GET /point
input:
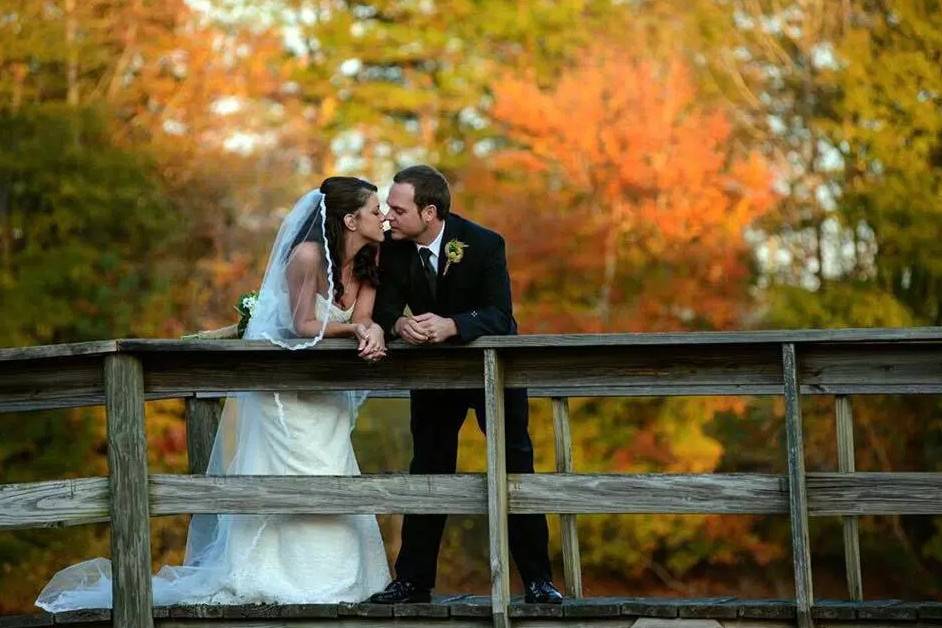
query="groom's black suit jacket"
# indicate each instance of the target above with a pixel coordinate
(474, 292)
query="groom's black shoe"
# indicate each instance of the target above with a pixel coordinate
(542, 592)
(399, 592)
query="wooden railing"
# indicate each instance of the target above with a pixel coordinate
(121, 374)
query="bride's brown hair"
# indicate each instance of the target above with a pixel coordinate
(342, 196)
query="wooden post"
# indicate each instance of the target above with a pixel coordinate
(497, 488)
(130, 517)
(202, 419)
(845, 464)
(571, 559)
(797, 492)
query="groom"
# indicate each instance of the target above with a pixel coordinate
(452, 273)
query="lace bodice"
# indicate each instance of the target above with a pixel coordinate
(337, 315)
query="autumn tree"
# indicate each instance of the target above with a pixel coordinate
(657, 195)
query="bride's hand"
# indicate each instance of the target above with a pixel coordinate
(372, 345)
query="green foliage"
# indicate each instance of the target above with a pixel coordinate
(890, 131)
(849, 304)
(84, 225)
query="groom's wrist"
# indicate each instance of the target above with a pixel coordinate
(397, 326)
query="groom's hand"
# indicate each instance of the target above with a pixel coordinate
(409, 330)
(436, 328)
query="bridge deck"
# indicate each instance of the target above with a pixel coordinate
(468, 610)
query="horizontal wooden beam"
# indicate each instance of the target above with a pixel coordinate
(463, 610)
(281, 370)
(722, 493)
(51, 382)
(379, 494)
(640, 339)
(54, 503)
(85, 500)
(874, 493)
(41, 352)
(618, 370)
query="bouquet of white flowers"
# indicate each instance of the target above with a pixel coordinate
(246, 307)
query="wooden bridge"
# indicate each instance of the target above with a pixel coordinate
(122, 374)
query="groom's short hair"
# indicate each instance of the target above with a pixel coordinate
(430, 185)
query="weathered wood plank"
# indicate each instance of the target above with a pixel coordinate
(471, 610)
(71, 502)
(604, 366)
(871, 363)
(595, 607)
(767, 609)
(369, 494)
(282, 370)
(497, 501)
(709, 608)
(718, 369)
(775, 337)
(198, 611)
(797, 495)
(130, 517)
(184, 368)
(54, 503)
(875, 493)
(650, 607)
(364, 609)
(51, 380)
(428, 622)
(681, 389)
(26, 621)
(95, 347)
(678, 390)
(420, 610)
(22, 403)
(671, 390)
(648, 493)
(202, 418)
(572, 562)
(85, 617)
(50, 402)
(843, 414)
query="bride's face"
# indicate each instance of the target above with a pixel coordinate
(369, 220)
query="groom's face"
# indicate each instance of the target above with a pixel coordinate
(407, 221)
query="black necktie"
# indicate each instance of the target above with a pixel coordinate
(431, 273)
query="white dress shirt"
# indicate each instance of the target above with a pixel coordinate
(435, 246)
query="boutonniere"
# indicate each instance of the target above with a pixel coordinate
(454, 253)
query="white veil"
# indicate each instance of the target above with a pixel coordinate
(212, 552)
(273, 317)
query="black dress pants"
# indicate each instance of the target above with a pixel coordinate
(437, 416)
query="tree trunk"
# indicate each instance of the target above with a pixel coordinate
(127, 53)
(610, 257)
(71, 46)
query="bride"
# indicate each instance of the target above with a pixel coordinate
(320, 282)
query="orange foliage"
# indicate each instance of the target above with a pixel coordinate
(649, 190)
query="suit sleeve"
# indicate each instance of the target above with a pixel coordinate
(390, 294)
(494, 316)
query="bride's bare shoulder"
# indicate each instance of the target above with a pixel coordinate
(307, 254)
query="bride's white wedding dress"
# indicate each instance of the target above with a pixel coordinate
(288, 559)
